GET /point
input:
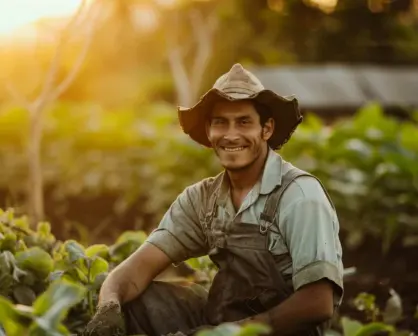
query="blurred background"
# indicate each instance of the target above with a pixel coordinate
(89, 137)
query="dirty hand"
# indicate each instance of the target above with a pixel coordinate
(108, 321)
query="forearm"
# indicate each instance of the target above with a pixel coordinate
(119, 286)
(299, 312)
(130, 278)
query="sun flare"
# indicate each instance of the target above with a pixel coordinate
(15, 14)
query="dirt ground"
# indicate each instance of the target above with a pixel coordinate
(377, 274)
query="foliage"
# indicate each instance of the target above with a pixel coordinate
(50, 287)
(368, 165)
(52, 276)
(231, 329)
(123, 171)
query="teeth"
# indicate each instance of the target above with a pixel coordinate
(233, 149)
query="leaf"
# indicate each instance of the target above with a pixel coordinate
(123, 250)
(7, 261)
(100, 250)
(8, 243)
(35, 260)
(254, 329)
(136, 236)
(24, 295)
(98, 281)
(53, 305)
(98, 266)
(225, 329)
(55, 275)
(14, 320)
(372, 328)
(6, 284)
(18, 275)
(393, 310)
(74, 250)
(350, 327)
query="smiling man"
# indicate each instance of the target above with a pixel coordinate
(270, 228)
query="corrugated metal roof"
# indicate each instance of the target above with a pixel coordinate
(340, 86)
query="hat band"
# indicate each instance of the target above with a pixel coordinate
(234, 89)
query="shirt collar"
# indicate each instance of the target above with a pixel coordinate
(272, 173)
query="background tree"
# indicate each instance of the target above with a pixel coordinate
(49, 92)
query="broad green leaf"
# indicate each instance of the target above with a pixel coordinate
(97, 266)
(6, 283)
(137, 236)
(35, 260)
(74, 250)
(254, 329)
(350, 327)
(44, 228)
(13, 319)
(53, 305)
(7, 261)
(55, 275)
(225, 329)
(8, 243)
(123, 250)
(24, 295)
(80, 274)
(18, 274)
(372, 328)
(100, 250)
(98, 280)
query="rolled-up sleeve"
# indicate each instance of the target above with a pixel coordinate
(311, 229)
(179, 234)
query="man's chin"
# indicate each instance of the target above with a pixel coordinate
(234, 166)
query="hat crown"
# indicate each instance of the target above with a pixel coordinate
(238, 80)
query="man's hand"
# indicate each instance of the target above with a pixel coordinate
(108, 321)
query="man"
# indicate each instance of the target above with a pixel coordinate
(269, 227)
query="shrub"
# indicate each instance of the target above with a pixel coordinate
(50, 287)
(126, 168)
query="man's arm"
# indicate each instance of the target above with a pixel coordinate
(131, 277)
(309, 227)
(178, 237)
(307, 307)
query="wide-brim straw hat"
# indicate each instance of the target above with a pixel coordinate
(241, 84)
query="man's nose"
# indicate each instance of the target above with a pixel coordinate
(231, 134)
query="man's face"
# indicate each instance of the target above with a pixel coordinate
(236, 134)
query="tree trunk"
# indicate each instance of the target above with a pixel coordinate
(35, 182)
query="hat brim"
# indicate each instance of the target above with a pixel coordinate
(285, 112)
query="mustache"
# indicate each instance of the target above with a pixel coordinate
(224, 143)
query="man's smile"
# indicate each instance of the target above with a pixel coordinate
(233, 149)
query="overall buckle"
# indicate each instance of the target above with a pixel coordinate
(265, 223)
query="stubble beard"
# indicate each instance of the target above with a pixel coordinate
(241, 168)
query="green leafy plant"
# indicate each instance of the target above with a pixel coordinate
(33, 263)
(367, 163)
(50, 287)
(47, 314)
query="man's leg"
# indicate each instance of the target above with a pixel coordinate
(166, 308)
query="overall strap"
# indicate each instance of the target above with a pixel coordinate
(273, 199)
(210, 206)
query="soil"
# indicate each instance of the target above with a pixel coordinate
(108, 321)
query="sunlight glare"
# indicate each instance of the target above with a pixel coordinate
(327, 6)
(15, 14)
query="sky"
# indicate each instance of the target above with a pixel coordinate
(15, 14)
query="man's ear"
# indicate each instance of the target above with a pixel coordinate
(268, 129)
